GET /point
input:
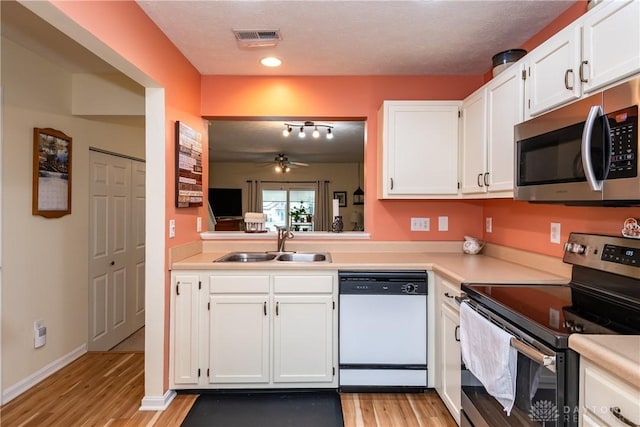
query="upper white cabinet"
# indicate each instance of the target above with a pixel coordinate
(488, 118)
(595, 51)
(418, 143)
(610, 43)
(552, 69)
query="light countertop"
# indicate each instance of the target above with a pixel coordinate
(618, 354)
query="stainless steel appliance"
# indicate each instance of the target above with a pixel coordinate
(383, 329)
(603, 297)
(583, 153)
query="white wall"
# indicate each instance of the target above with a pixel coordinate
(343, 177)
(44, 272)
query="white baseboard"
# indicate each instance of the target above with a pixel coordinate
(17, 389)
(157, 403)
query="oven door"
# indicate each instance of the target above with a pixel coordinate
(546, 387)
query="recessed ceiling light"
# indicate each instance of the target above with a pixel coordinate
(271, 61)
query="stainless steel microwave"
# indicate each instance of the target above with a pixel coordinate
(585, 153)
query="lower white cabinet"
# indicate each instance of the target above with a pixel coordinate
(448, 359)
(254, 330)
(606, 399)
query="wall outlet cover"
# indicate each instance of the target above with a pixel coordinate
(420, 224)
(488, 224)
(443, 223)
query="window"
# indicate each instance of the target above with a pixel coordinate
(291, 205)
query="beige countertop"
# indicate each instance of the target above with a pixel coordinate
(457, 266)
(618, 354)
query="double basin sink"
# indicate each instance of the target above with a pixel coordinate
(275, 257)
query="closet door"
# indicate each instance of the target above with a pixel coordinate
(116, 272)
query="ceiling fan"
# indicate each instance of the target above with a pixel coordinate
(284, 165)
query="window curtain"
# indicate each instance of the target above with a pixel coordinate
(254, 196)
(323, 218)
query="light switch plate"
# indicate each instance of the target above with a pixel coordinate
(555, 232)
(443, 223)
(199, 225)
(172, 228)
(488, 224)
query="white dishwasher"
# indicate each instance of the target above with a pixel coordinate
(383, 330)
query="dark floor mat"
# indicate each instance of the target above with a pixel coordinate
(267, 409)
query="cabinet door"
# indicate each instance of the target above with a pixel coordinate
(505, 109)
(611, 43)
(239, 338)
(419, 149)
(451, 360)
(552, 72)
(185, 329)
(474, 143)
(303, 338)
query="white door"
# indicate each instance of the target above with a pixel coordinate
(239, 339)
(114, 267)
(137, 260)
(303, 338)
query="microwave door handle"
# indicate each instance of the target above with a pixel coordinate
(594, 113)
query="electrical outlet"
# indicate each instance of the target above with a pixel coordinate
(199, 225)
(555, 232)
(39, 334)
(419, 224)
(172, 228)
(488, 224)
(443, 223)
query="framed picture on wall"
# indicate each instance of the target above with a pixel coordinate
(188, 167)
(51, 196)
(342, 198)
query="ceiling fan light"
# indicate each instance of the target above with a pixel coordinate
(316, 133)
(329, 134)
(302, 134)
(286, 169)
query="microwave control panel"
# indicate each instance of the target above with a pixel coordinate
(623, 125)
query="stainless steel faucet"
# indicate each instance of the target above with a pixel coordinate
(283, 235)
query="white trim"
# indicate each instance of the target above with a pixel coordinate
(17, 389)
(159, 403)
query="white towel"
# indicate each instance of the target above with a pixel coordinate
(487, 353)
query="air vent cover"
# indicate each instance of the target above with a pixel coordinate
(257, 38)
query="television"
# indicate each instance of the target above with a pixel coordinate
(226, 202)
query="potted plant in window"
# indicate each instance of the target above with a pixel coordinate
(299, 213)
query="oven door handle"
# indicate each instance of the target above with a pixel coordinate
(534, 354)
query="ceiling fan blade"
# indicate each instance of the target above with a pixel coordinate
(299, 163)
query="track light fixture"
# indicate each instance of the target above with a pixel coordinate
(301, 134)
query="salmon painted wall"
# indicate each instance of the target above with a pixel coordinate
(334, 97)
(126, 29)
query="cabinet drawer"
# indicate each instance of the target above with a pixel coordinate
(603, 392)
(302, 284)
(238, 284)
(449, 290)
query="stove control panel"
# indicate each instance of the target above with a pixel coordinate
(615, 254)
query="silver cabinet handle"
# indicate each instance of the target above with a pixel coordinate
(277, 310)
(265, 308)
(587, 166)
(486, 179)
(617, 412)
(391, 183)
(178, 288)
(478, 180)
(566, 79)
(582, 78)
(456, 333)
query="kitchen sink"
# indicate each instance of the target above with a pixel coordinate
(303, 257)
(275, 257)
(247, 257)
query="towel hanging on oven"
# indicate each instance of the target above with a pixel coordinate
(488, 354)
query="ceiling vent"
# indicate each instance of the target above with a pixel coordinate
(257, 38)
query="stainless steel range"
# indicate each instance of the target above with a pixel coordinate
(603, 297)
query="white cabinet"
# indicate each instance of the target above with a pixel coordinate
(610, 43)
(418, 144)
(488, 118)
(238, 328)
(448, 358)
(254, 330)
(552, 69)
(605, 399)
(599, 49)
(185, 329)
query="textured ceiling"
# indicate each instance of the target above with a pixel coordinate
(331, 37)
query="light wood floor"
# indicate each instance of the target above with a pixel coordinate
(105, 389)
